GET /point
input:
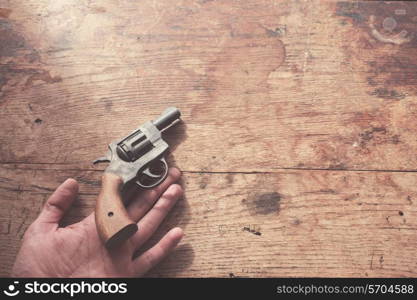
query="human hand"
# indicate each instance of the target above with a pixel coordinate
(77, 251)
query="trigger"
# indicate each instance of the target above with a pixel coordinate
(152, 178)
(101, 160)
(150, 174)
(106, 158)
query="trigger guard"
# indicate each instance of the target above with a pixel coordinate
(148, 173)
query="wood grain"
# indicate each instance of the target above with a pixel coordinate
(273, 84)
(286, 223)
(298, 144)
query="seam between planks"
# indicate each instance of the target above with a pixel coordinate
(276, 170)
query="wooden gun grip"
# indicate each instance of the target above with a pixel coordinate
(113, 223)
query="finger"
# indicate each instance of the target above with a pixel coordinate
(59, 202)
(151, 221)
(153, 256)
(139, 206)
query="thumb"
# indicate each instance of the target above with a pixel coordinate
(59, 202)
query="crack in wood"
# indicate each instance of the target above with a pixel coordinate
(276, 170)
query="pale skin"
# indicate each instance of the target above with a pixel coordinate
(49, 250)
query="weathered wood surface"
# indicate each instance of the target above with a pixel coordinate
(299, 141)
(286, 223)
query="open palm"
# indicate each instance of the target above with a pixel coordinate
(77, 251)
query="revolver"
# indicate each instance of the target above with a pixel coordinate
(138, 159)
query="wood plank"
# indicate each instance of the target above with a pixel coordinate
(286, 223)
(262, 84)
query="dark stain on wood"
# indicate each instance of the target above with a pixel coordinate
(264, 204)
(230, 178)
(41, 75)
(377, 135)
(351, 197)
(368, 135)
(248, 229)
(20, 62)
(410, 201)
(348, 9)
(108, 104)
(381, 43)
(373, 131)
(384, 93)
(277, 32)
(11, 41)
(204, 182)
(5, 12)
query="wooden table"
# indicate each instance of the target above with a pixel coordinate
(298, 146)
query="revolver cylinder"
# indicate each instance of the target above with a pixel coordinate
(137, 144)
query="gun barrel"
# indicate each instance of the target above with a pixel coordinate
(168, 117)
